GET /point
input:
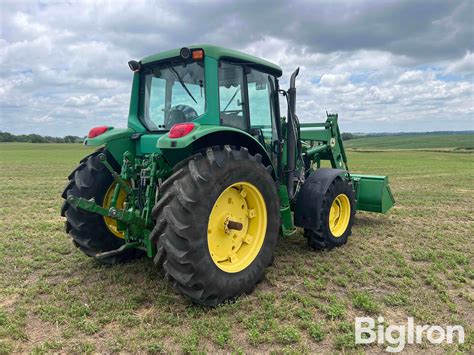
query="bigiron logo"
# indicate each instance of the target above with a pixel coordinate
(397, 336)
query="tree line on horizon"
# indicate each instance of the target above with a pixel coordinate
(37, 138)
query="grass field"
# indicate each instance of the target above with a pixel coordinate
(415, 261)
(429, 141)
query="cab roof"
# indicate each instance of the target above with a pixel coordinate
(218, 53)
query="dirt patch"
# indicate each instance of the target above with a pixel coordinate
(39, 331)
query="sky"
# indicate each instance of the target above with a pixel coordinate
(384, 66)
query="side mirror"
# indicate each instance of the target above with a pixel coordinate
(134, 65)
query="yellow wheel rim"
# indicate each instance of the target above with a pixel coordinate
(339, 215)
(110, 222)
(237, 227)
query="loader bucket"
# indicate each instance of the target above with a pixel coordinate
(373, 193)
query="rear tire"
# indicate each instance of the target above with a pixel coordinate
(183, 231)
(324, 238)
(88, 230)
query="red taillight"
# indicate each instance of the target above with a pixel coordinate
(180, 130)
(97, 131)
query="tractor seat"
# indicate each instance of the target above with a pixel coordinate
(233, 120)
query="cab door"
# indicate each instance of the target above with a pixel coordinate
(260, 89)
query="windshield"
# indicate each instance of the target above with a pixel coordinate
(171, 93)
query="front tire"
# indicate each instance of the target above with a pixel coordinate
(336, 217)
(204, 255)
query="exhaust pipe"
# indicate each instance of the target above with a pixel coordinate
(291, 135)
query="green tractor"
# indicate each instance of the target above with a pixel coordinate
(208, 175)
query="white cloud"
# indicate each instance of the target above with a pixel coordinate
(84, 100)
(337, 80)
(28, 26)
(465, 65)
(114, 101)
(415, 76)
(42, 119)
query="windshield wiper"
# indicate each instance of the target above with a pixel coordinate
(182, 82)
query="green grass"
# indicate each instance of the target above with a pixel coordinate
(429, 141)
(415, 261)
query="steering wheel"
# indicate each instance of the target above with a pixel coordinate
(180, 114)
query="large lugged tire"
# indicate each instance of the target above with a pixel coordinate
(88, 230)
(336, 227)
(204, 255)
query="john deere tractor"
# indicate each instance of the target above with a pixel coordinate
(208, 175)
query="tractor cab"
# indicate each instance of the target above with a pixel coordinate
(204, 84)
(195, 88)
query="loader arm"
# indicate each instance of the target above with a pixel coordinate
(323, 141)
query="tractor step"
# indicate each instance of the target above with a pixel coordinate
(373, 193)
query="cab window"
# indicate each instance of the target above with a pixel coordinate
(231, 96)
(171, 93)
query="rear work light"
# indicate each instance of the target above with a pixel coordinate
(97, 131)
(180, 130)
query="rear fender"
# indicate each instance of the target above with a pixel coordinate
(203, 136)
(116, 141)
(310, 197)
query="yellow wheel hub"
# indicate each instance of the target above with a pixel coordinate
(237, 227)
(339, 215)
(110, 222)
